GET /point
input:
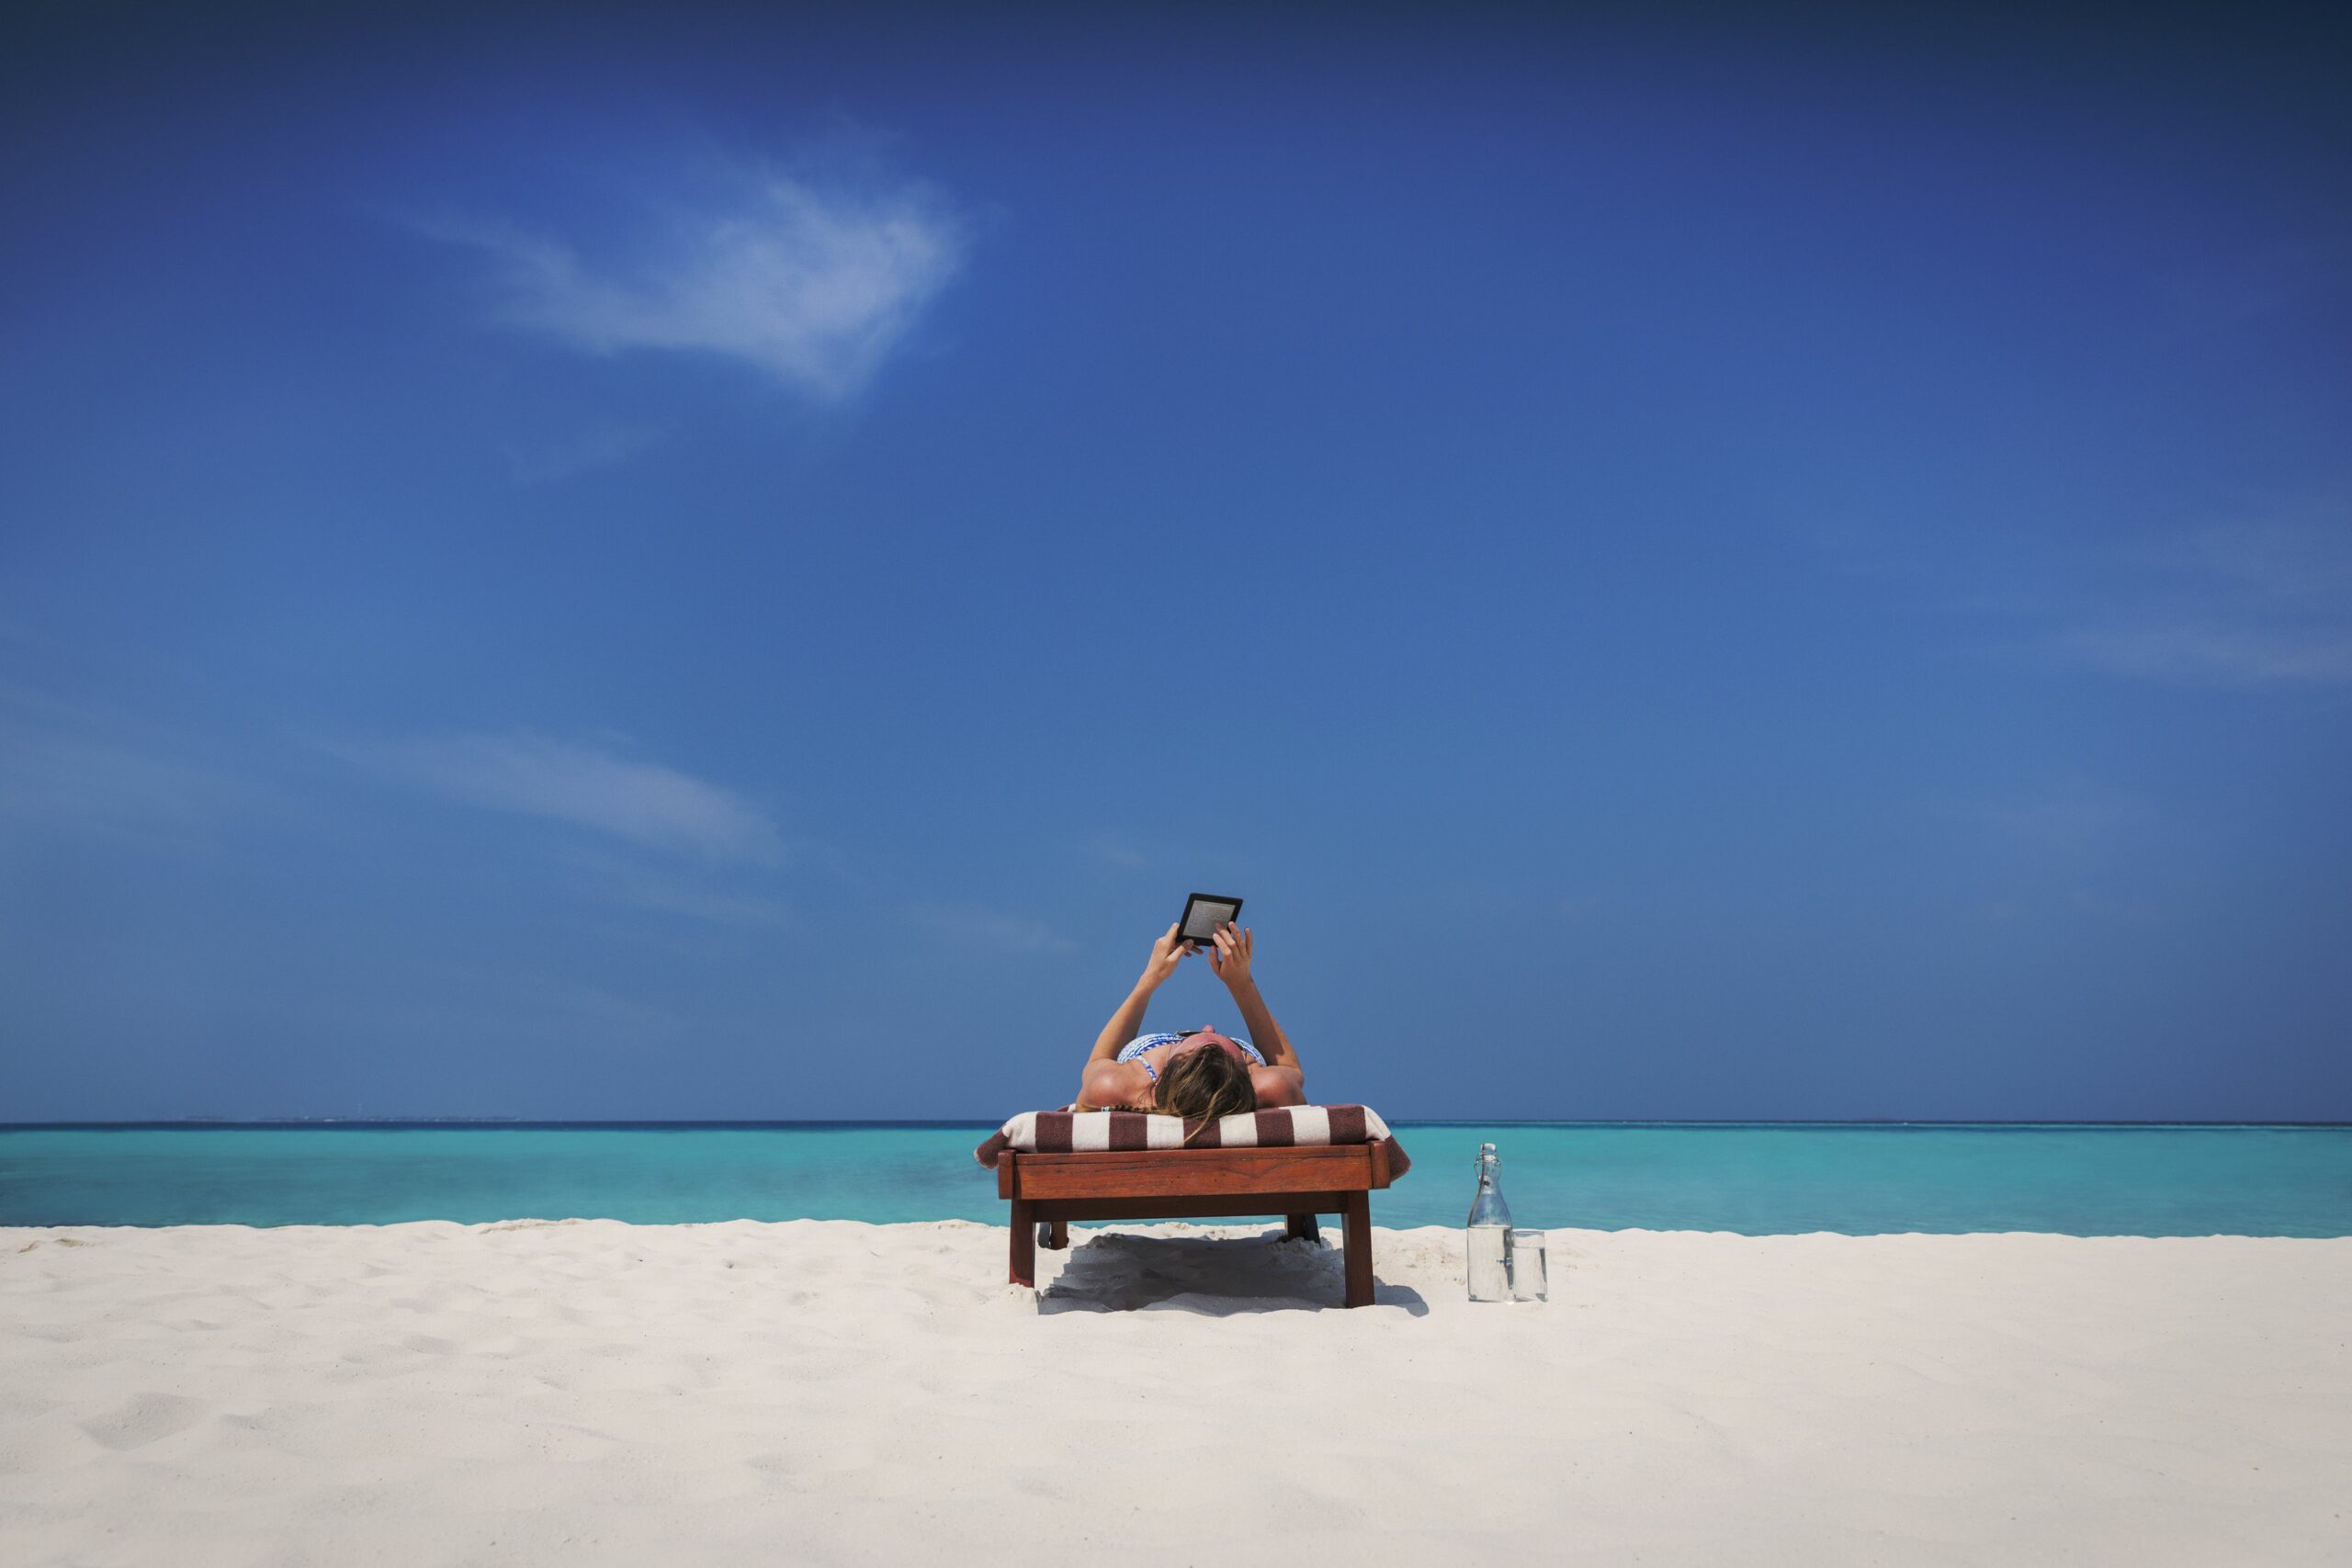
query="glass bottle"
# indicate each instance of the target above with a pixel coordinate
(1487, 1243)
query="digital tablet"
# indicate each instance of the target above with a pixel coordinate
(1204, 912)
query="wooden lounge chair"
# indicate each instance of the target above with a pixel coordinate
(1117, 1165)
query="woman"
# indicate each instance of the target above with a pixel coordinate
(1198, 1074)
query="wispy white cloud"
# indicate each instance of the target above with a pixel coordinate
(2210, 653)
(717, 906)
(813, 283)
(504, 1004)
(2263, 603)
(1117, 851)
(978, 926)
(2251, 603)
(2306, 560)
(554, 461)
(2067, 847)
(82, 768)
(583, 786)
(718, 895)
(2067, 815)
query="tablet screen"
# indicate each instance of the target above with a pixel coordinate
(1204, 914)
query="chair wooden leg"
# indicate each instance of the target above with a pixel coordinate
(1357, 1220)
(1054, 1234)
(1304, 1227)
(1024, 1243)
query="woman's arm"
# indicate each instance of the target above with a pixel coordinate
(1127, 1021)
(1234, 949)
(1281, 1081)
(1104, 1082)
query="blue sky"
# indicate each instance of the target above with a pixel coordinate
(1723, 565)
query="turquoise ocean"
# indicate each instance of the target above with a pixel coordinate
(1757, 1180)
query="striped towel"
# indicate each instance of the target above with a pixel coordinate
(1293, 1126)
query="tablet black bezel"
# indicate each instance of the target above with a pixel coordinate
(1207, 943)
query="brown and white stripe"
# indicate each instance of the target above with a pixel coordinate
(1083, 1132)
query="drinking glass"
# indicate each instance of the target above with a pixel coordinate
(1527, 1280)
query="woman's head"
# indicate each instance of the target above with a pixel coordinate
(1205, 1082)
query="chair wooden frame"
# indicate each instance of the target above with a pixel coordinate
(1183, 1184)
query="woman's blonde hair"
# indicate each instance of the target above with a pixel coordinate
(1202, 1085)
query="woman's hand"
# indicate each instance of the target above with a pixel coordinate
(1231, 958)
(1166, 954)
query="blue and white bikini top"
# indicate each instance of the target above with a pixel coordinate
(1135, 1048)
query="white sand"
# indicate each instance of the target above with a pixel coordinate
(814, 1392)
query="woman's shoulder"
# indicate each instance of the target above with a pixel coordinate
(1113, 1086)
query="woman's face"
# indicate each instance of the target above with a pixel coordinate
(1203, 1039)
